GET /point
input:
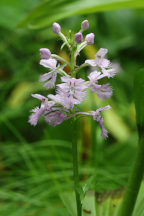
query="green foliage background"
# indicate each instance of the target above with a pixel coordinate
(36, 163)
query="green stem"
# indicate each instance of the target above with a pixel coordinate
(59, 58)
(81, 66)
(93, 142)
(62, 36)
(93, 136)
(75, 170)
(134, 182)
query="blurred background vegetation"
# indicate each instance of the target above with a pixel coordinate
(36, 162)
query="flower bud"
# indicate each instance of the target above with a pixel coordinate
(56, 28)
(45, 53)
(85, 25)
(90, 38)
(78, 37)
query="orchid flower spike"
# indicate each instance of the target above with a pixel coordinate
(70, 90)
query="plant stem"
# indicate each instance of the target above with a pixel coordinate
(134, 182)
(93, 136)
(59, 58)
(93, 143)
(62, 36)
(75, 169)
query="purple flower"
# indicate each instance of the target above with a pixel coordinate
(100, 59)
(50, 77)
(70, 92)
(84, 25)
(53, 114)
(45, 53)
(90, 38)
(112, 70)
(55, 118)
(78, 37)
(37, 112)
(56, 28)
(103, 91)
(97, 116)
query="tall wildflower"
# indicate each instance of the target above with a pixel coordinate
(72, 90)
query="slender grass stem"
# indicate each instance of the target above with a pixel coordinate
(134, 182)
(75, 170)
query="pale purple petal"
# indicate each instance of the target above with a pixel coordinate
(97, 116)
(39, 97)
(112, 70)
(51, 82)
(91, 62)
(33, 119)
(103, 108)
(48, 63)
(104, 132)
(50, 77)
(101, 52)
(95, 76)
(55, 98)
(100, 59)
(45, 76)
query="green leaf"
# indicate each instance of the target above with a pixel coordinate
(139, 207)
(88, 184)
(68, 199)
(139, 100)
(49, 11)
(89, 204)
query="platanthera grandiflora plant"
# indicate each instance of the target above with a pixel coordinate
(71, 91)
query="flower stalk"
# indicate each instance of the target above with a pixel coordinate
(75, 169)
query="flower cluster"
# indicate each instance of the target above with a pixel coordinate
(71, 91)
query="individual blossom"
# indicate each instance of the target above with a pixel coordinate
(71, 91)
(97, 116)
(103, 91)
(45, 53)
(38, 111)
(84, 25)
(113, 69)
(100, 59)
(78, 37)
(90, 38)
(56, 28)
(50, 77)
(52, 112)
(55, 118)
